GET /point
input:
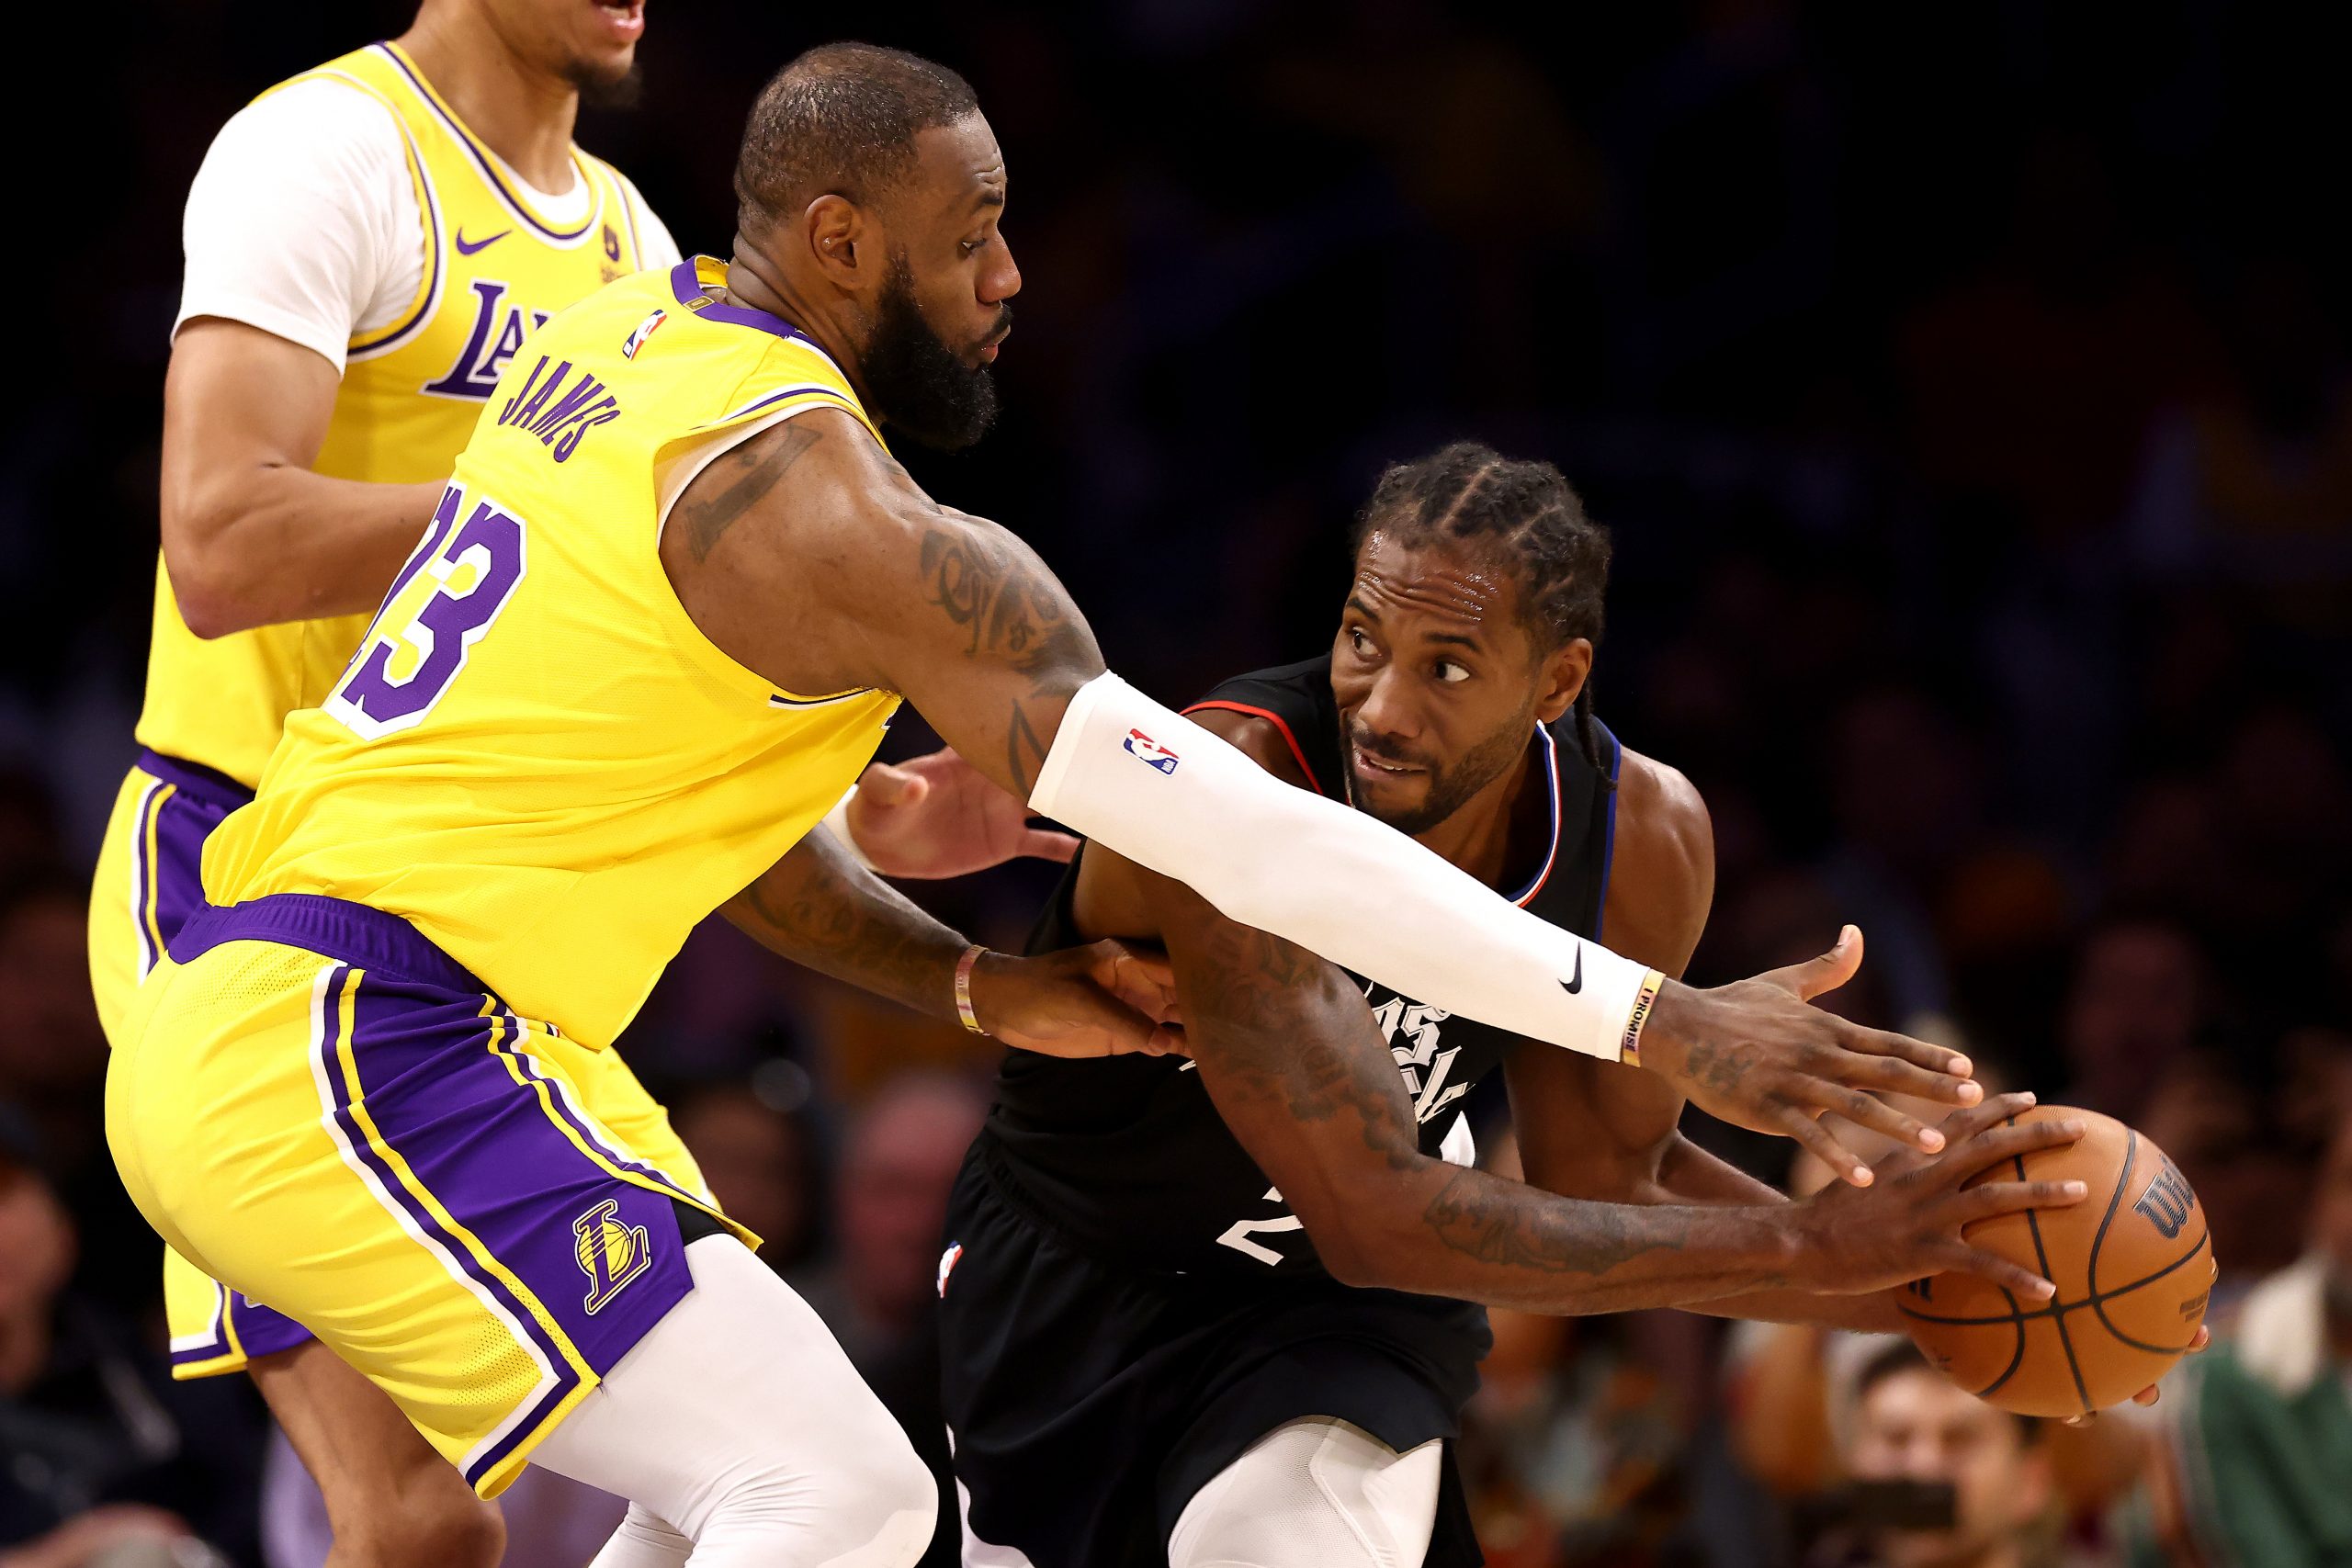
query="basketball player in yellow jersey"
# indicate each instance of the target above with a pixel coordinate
(368, 245)
(674, 590)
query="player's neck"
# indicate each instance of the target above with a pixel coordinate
(522, 113)
(1479, 837)
(755, 280)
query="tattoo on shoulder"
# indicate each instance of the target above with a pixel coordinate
(736, 481)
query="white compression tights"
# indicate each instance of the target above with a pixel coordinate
(743, 1439)
(1312, 1493)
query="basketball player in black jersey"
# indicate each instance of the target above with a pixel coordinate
(1201, 1317)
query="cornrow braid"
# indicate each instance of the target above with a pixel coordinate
(1524, 510)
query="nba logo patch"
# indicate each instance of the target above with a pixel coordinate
(947, 1261)
(610, 1253)
(1152, 751)
(645, 329)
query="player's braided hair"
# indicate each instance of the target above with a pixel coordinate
(840, 119)
(1525, 512)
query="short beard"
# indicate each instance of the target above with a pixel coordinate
(1450, 788)
(917, 383)
(602, 89)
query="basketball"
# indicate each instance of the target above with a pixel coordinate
(2133, 1264)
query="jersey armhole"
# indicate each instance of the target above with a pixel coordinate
(427, 297)
(1282, 726)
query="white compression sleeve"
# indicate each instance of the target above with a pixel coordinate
(1312, 1493)
(738, 1424)
(1154, 787)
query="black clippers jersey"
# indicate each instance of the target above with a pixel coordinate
(1129, 1157)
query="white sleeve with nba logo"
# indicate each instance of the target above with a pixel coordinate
(1165, 793)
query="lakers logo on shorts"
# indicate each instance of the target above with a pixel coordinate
(610, 1253)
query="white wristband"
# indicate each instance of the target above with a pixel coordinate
(1165, 793)
(837, 823)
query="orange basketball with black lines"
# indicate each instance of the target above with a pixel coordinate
(2133, 1264)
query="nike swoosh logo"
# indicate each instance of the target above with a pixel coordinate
(1576, 983)
(466, 250)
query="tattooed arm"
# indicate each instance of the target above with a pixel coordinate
(1288, 1052)
(810, 555)
(819, 908)
(1590, 1129)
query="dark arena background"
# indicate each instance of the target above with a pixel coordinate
(1965, 391)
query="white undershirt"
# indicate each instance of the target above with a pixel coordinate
(302, 221)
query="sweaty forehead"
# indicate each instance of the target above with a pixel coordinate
(1446, 585)
(959, 171)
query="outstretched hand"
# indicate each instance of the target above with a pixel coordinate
(938, 815)
(1758, 1054)
(1103, 999)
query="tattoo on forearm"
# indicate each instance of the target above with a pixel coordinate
(866, 935)
(1515, 1226)
(1277, 1023)
(736, 481)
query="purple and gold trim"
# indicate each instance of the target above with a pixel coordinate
(686, 282)
(242, 1330)
(176, 811)
(486, 166)
(397, 1185)
(436, 270)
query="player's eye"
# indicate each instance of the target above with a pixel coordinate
(1361, 644)
(970, 247)
(1452, 674)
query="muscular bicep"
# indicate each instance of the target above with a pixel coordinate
(1595, 1129)
(809, 556)
(236, 399)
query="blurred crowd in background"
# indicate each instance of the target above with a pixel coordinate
(1965, 391)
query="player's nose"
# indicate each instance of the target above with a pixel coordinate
(1000, 281)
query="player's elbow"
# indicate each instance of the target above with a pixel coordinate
(217, 594)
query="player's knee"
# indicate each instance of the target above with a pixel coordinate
(437, 1525)
(876, 1507)
(888, 1511)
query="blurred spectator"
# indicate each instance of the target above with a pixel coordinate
(2140, 996)
(1574, 1449)
(104, 1462)
(759, 1157)
(1940, 1479)
(2258, 1430)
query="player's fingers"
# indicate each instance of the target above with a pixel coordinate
(2016, 1197)
(1043, 843)
(1965, 1123)
(1891, 1074)
(1801, 1125)
(2000, 1271)
(2148, 1395)
(1869, 1110)
(1169, 1041)
(1939, 1061)
(1832, 969)
(2011, 1141)
(2204, 1337)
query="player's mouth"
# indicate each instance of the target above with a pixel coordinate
(987, 350)
(1375, 769)
(624, 17)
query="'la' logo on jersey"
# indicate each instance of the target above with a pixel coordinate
(610, 1253)
(497, 333)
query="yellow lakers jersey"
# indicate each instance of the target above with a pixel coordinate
(536, 758)
(494, 269)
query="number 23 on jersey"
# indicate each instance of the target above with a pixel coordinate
(443, 601)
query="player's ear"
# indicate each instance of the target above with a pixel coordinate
(835, 228)
(1563, 676)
